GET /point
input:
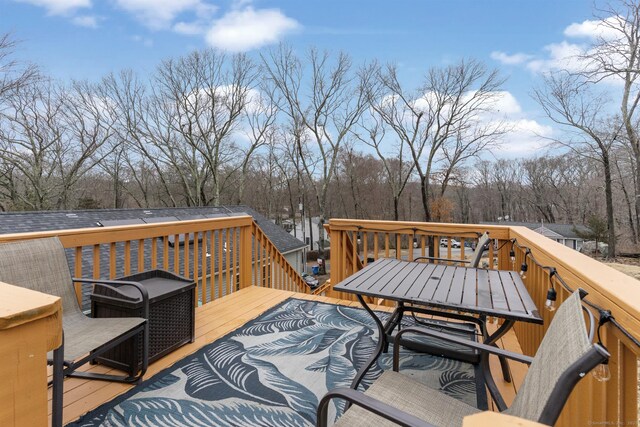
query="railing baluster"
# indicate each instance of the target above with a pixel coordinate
(96, 261)
(185, 250)
(127, 257)
(354, 251)
(203, 268)
(227, 257)
(176, 253)
(386, 245)
(196, 267)
(78, 273)
(629, 386)
(211, 289)
(491, 249)
(140, 255)
(234, 257)
(112, 260)
(154, 253)
(365, 248)
(223, 289)
(614, 385)
(165, 252)
(375, 246)
(259, 256)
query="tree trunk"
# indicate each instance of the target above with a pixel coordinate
(424, 190)
(611, 253)
(396, 214)
(636, 151)
(627, 199)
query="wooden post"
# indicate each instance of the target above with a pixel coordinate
(246, 259)
(336, 260)
(30, 325)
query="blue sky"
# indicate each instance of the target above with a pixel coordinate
(89, 38)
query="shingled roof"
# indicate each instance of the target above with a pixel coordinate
(21, 222)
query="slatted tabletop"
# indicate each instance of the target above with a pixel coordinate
(498, 293)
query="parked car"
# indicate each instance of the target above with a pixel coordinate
(445, 242)
(310, 280)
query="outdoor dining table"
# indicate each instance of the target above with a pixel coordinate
(452, 291)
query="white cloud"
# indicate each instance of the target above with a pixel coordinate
(159, 14)
(561, 56)
(525, 138)
(145, 41)
(59, 7)
(85, 21)
(564, 55)
(593, 29)
(242, 30)
(515, 59)
(189, 28)
(506, 103)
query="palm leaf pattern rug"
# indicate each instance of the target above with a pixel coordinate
(274, 370)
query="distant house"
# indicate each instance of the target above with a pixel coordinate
(20, 222)
(561, 233)
(307, 234)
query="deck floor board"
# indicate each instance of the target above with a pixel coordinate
(215, 320)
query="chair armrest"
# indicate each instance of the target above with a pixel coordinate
(468, 343)
(377, 407)
(431, 258)
(143, 291)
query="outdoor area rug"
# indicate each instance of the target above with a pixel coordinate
(274, 370)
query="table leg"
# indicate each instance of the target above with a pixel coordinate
(394, 320)
(491, 340)
(382, 343)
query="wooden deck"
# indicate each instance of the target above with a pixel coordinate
(213, 321)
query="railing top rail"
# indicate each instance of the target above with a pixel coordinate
(607, 286)
(435, 228)
(99, 235)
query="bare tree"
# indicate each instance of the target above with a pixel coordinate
(129, 103)
(539, 194)
(259, 116)
(623, 162)
(442, 123)
(90, 127)
(48, 137)
(569, 103)
(326, 103)
(202, 97)
(615, 54)
(372, 131)
(13, 73)
(359, 184)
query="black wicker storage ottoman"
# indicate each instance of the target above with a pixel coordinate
(171, 315)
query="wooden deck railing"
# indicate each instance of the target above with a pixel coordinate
(614, 402)
(355, 242)
(222, 254)
(271, 268)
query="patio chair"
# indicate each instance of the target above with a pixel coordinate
(469, 322)
(41, 265)
(483, 244)
(565, 355)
